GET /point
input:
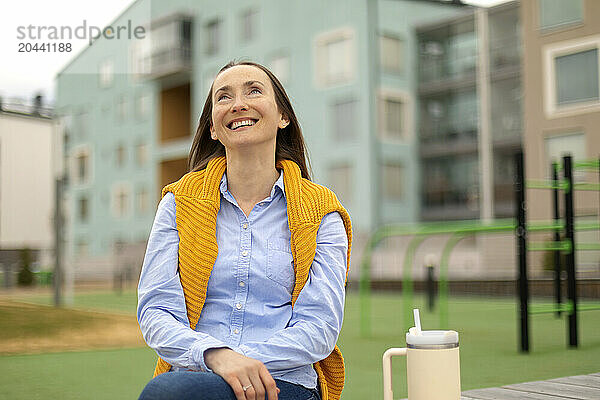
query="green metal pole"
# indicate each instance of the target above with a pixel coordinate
(450, 244)
(407, 282)
(365, 288)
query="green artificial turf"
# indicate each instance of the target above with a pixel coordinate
(488, 350)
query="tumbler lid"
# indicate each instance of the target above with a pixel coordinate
(431, 337)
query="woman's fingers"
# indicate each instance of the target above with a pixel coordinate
(242, 372)
(269, 383)
(236, 386)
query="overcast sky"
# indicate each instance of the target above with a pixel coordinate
(23, 75)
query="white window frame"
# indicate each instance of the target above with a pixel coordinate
(116, 189)
(141, 207)
(139, 57)
(402, 43)
(550, 53)
(407, 115)
(82, 149)
(560, 26)
(284, 77)
(402, 167)
(320, 43)
(253, 13)
(106, 72)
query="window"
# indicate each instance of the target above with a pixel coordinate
(122, 108)
(335, 57)
(141, 154)
(142, 200)
(106, 71)
(83, 209)
(249, 24)
(139, 57)
(280, 66)
(81, 124)
(577, 77)
(120, 200)
(213, 37)
(561, 145)
(557, 13)
(393, 115)
(81, 165)
(344, 121)
(340, 181)
(120, 155)
(82, 247)
(571, 79)
(392, 181)
(390, 53)
(142, 105)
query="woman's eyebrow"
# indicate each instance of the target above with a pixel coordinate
(247, 83)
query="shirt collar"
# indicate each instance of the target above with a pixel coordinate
(277, 186)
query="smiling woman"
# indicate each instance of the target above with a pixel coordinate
(242, 288)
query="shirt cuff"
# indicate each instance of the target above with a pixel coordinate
(196, 360)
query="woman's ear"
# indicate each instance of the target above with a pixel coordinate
(283, 121)
(213, 135)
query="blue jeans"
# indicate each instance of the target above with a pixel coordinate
(188, 385)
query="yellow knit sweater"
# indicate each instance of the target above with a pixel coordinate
(197, 198)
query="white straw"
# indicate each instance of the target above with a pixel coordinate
(417, 320)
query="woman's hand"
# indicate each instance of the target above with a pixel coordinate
(241, 372)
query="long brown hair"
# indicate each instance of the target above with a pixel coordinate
(289, 141)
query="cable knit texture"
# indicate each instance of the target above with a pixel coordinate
(197, 199)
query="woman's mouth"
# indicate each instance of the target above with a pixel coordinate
(241, 124)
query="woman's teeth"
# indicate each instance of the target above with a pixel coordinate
(237, 124)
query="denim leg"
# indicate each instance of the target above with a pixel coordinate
(290, 391)
(187, 385)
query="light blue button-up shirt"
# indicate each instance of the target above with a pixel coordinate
(248, 304)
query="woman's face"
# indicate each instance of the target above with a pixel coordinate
(244, 111)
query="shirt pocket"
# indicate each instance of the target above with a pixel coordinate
(280, 263)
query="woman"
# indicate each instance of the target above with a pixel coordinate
(242, 289)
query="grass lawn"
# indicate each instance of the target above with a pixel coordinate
(488, 346)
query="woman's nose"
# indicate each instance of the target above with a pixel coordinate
(239, 104)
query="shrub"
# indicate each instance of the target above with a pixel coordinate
(25, 275)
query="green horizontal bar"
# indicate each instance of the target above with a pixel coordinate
(545, 246)
(588, 307)
(587, 186)
(563, 307)
(550, 308)
(586, 164)
(545, 226)
(587, 226)
(546, 184)
(587, 246)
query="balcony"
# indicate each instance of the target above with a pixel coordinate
(170, 48)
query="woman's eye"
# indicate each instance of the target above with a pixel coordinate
(255, 90)
(221, 97)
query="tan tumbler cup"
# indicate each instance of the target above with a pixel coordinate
(432, 365)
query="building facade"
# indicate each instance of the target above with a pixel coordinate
(470, 113)
(561, 42)
(26, 187)
(130, 108)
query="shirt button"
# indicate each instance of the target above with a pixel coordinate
(238, 306)
(242, 284)
(236, 331)
(245, 226)
(245, 253)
